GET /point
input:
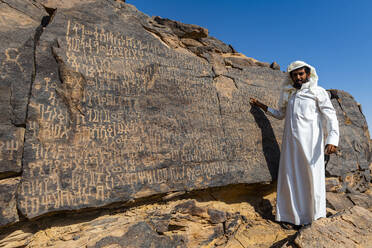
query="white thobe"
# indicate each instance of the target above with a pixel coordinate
(301, 195)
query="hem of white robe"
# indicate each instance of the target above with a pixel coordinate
(288, 219)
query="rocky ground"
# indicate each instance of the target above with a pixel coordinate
(233, 216)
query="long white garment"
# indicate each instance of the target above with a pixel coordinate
(301, 195)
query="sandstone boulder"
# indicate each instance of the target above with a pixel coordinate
(201, 218)
(350, 228)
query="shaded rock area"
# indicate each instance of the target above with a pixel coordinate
(19, 27)
(137, 131)
(8, 204)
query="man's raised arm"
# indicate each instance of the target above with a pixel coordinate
(278, 114)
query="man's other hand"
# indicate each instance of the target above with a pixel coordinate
(329, 149)
(257, 103)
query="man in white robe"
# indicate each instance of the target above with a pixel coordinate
(301, 195)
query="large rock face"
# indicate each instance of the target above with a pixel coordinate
(102, 104)
(115, 114)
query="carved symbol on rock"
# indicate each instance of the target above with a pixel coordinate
(11, 56)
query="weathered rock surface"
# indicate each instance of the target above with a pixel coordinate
(350, 228)
(8, 203)
(20, 24)
(101, 104)
(117, 114)
(11, 143)
(338, 202)
(351, 163)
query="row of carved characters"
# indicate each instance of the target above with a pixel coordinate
(9, 149)
(100, 36)
(112, 46)
(124, 93)
(45, 193)
(129, 150)
(122, 68)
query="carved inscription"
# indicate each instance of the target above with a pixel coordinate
(8, 149)
(262, 94)
(259, 83)
(104, 125)
(93, 186)
(115, 114)
(11, 147)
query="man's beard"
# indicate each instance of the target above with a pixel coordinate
(298, 85)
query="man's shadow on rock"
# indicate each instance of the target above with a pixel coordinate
(271, 151)
(270, 146)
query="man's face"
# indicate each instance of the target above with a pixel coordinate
(299, 77)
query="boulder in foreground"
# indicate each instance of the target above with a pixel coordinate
(350, 228)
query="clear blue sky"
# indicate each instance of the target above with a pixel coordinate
(333, 36)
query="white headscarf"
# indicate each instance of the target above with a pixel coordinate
(313, 80)
(288, 89)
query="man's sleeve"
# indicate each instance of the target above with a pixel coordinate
(278, 114)
(329, 113)
(283, 101)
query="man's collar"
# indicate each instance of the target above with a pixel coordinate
(305, 85)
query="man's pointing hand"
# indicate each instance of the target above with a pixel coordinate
(257, 103)
(329, 149)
